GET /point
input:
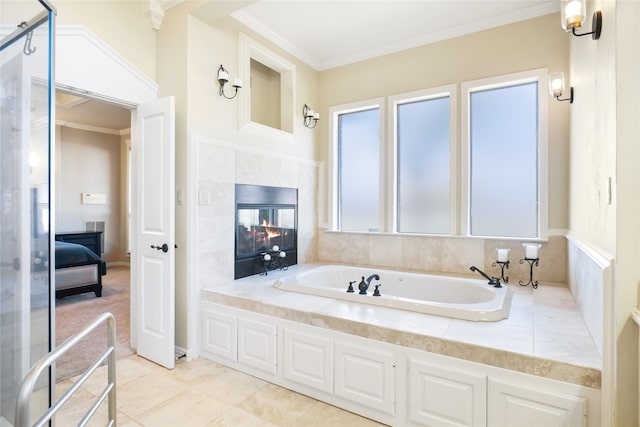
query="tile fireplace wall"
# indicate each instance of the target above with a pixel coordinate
(220, 166)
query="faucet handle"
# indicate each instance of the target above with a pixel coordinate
(376, 292)
(350, 288)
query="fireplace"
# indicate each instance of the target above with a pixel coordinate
(266, 229)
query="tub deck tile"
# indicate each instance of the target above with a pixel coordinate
(532, 340)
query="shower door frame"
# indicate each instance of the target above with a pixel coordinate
(28, 259)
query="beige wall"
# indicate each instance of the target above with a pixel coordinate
(502, 50)
(628, 205)
(90, 162)
(132, 36)
(214, 116)
(604, 145)
(593, 135)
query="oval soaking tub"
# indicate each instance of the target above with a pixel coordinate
(457, 297)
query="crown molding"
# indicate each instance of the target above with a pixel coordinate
(451, 32)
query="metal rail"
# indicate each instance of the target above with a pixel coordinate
(23, 404)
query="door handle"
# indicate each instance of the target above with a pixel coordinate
(164, 248)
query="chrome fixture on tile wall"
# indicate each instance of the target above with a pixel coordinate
(573, 14)
(223, 78)
(531, 257)
(310, 117)
(556, 87)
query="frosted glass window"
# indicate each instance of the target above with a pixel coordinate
(504, 161)
(359, 170)
(423, 166)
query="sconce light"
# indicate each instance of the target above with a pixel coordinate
(556, 87)
(223, 78)
(573, 15)
(310, 117)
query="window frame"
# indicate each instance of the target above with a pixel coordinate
(334, 113)
(541, 76)
(394, 101)
(459, 168)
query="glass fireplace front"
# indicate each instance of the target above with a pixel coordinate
(266, 224)
(262, 227)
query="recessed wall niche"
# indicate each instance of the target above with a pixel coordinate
(267, 107)
(265, 95)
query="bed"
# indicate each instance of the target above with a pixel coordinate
(78, 268)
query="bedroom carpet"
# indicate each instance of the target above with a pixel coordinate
(73, 313)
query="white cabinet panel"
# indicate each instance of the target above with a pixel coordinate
(365, 376)
(308, 360)
(220, 334)
(257, 345)
(518, 405)
(445, 397)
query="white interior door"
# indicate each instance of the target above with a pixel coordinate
(154, 251)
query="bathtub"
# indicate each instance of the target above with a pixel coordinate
(456, 297)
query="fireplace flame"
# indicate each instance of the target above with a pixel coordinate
(271, 233)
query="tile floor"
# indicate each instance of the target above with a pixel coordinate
(197, 393)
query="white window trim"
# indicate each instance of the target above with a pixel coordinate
(334, 112)
(392, 150)
(541, 75)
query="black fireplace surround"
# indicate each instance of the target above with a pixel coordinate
(266, 217)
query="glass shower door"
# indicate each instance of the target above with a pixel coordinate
(25, 132)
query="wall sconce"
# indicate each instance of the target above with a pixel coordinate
(573, 15)
(223, 78)
(310, 117)
(556, 87)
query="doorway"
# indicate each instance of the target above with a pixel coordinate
(92, 153)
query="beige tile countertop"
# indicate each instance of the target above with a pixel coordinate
(544, 334)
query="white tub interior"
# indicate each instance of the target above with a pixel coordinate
(460, 298)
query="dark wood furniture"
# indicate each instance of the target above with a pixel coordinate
(73, 280)
(89, 239)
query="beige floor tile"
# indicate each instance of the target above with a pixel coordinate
(79, 404)
(277, 405)
(75, 408)
(198, 393)
(227, 385)
(191, 408)
(127, 370)
(138, 396)
(324, 415)
(236, 417)
(129, 423)
(195, 369)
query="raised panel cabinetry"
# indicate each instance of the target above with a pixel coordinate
(220, 334)
(308, 360)
(513, 405)
(257, 345)
(365, 376)
(445, 397)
